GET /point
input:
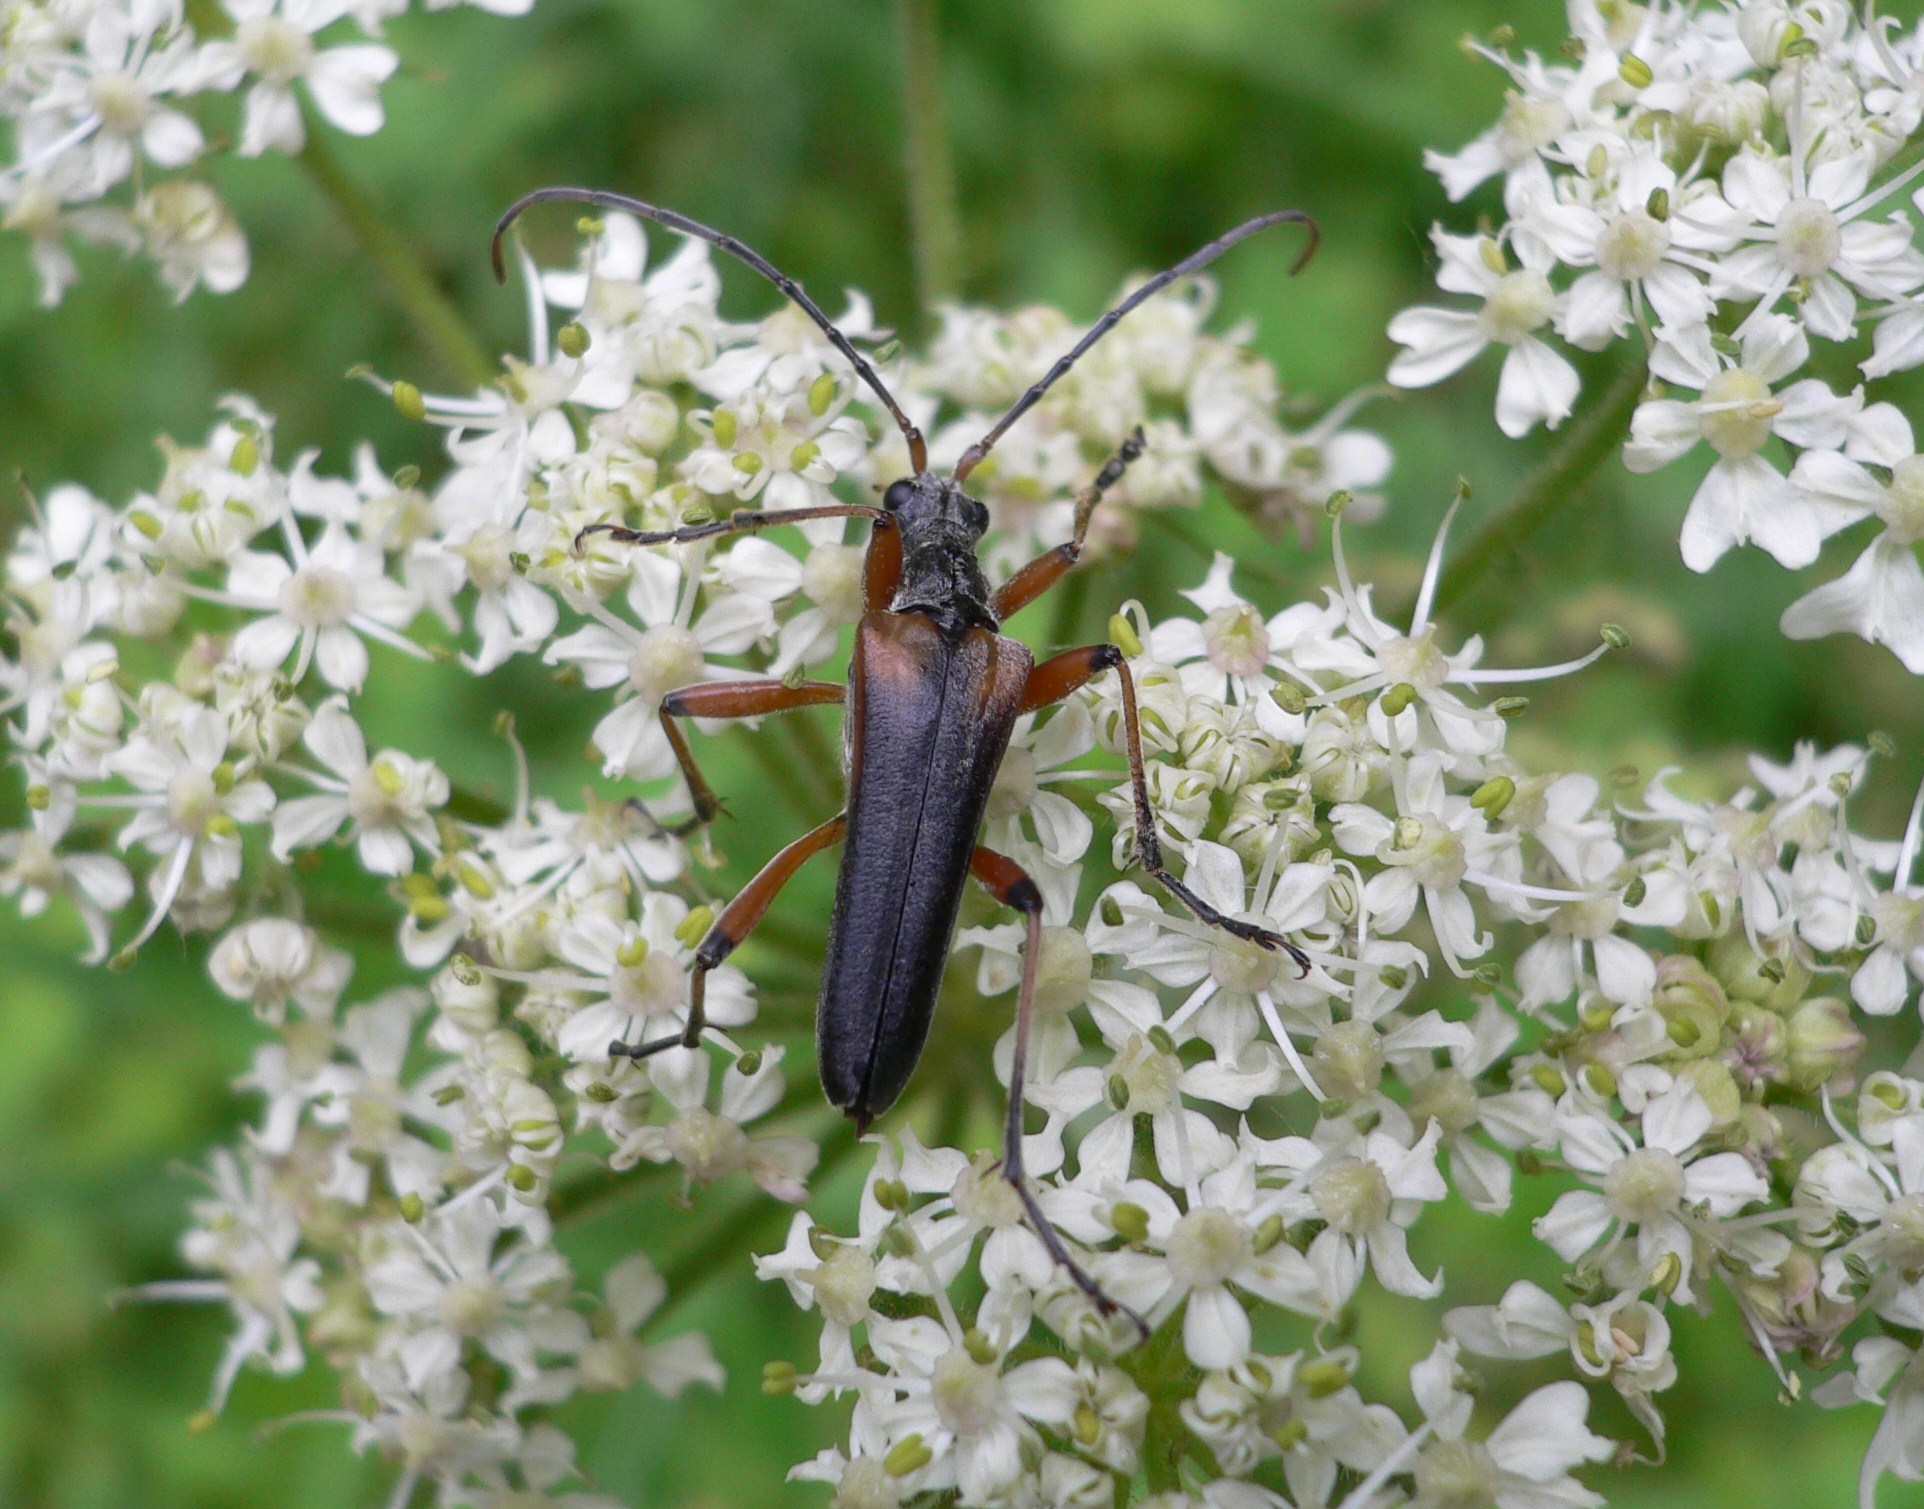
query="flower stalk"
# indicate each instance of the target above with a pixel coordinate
(1554, 486)
(435, 319)
(935, 227)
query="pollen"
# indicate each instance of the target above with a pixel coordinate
(1518, 307)
(317, 597)
(1645, 1186)
(1633, 245)
(666, 657)
(1352, 1194)
(1207, 1247)
(1809, 238)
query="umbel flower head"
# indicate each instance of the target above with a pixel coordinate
(1720, 190)
(1660, 996)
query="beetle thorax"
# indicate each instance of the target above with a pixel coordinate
(940, 525)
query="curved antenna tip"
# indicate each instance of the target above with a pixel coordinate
(1308, 223)
(1195, 262)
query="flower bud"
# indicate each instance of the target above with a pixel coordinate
(1821, 1042)
(1323, 1377)
(907, 1455)
(1692, 1004)
(1493, 796)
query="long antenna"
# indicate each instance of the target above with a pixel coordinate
(1194, 262)
(918, 447)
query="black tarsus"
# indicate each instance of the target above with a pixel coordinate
(1196, 261)
(1149, 847)
(741, 252)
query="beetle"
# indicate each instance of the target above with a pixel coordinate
(933, 694)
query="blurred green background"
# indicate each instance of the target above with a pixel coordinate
(1091, 138)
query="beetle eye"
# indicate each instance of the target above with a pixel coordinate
(978, 516)
(898, 495)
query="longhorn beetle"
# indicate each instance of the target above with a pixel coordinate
(932, 696)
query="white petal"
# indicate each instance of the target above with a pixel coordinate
(1437, 341)
(1544, 1436)
(346, 82)
(1575, 1224)
(1676, 1120)
(1536, 385)
(1660, 431)
(1724, 1181)
(1881, 982)
(1215, 1329)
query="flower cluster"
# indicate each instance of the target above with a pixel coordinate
(1722, 188)
(108, 105)
(1659, 999)
(182, 687)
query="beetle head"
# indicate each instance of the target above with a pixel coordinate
(932, 510)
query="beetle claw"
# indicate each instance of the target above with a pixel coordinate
(1262, 937)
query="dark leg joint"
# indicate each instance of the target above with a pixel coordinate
(639, 1051)
(1249, 932)
(1126, 454)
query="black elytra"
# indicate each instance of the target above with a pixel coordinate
(933, 694)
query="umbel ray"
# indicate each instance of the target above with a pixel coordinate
(933, 694)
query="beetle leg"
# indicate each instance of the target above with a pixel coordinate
(736, 922)
(1005, 880)
(1062, 674)
(729, 699)
(745, 519)
(1051, 566)
(882, 566)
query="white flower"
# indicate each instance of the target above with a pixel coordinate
(1221, 1241)
(388, 800)
(1639, 263)
(1807, 227)
(1368, 1194)
(1655, 1189)
(190, 806)
(608, 1356)
(33, 869)
(189, 231)
(274, 962)
(1743, 497)
(670, 649)
(320, 606)
(1881, 598)
(1537, 386)
(274, 43)
(1526, 1460)
(971, 1418)
(248, 1235)
(634, 976)
(711, 1145)
(446, 1284)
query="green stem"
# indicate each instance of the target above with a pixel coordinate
(1554, 485)
(935, 229)
(435, 319)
